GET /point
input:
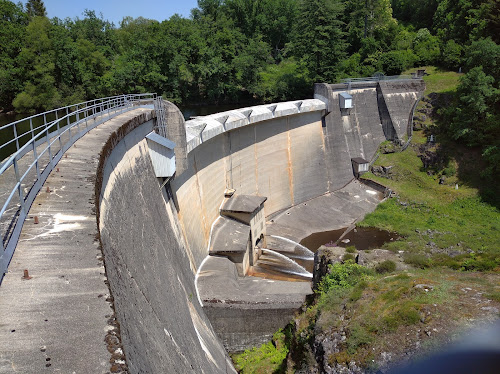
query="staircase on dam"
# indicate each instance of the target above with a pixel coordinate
(130, 268)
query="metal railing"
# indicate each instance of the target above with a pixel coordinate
(377, 78)
(38, 143)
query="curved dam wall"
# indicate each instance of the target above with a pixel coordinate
(281, 158)
(162, 325)
(155, 239)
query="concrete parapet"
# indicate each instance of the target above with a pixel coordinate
(151, 272)
(201, 129)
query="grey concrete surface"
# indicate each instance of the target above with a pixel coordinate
(58, 320)
(382, 111)
(246, 311)
(154, 246)
(163, 326)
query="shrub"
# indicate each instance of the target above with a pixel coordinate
(386, 266)
(351, 249)
(348, 257)
(417, 260)
(405, 315)
(358, 290)
(358, 337)
(343, 276)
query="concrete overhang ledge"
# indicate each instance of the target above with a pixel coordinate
(229, 236)
(203, 128)
(243, 203)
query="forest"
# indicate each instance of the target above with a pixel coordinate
(253, 51)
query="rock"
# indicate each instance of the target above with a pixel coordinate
(491, 309)
(376, 256)
(425, 287)
(323, 257)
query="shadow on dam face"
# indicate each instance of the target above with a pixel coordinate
(180, 308)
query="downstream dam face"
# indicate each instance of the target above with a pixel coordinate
(178, 268)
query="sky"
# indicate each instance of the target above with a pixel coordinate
(115, 10)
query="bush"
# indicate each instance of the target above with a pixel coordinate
(358, 337)
(405, 315)
(394, 62)
(343, 276)
(351, 249)
(417, 260)
(386, 266)
(348, 257)
(451, 56)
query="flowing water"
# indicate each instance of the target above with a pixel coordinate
(300, 251)
(281, 264)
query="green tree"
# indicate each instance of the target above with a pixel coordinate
(273, 20)
(320, 39)
(426, 47)
(287, 80)
(475, 119)
(451, 56)
(36, 8)
(37, 58)
(485, 53)
(463, 20)
(368, 19)
(418, 13)
(13, 23)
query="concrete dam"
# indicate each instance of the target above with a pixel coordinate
(207, 259)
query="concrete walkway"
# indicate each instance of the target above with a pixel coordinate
(61, 320)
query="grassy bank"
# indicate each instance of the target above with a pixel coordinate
(438, 210)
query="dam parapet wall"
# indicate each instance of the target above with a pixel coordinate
(163, 327)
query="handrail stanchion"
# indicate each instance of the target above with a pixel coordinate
(19, 185)
(15, 137)
(35, 156)
(103, 107)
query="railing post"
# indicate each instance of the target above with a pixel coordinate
(48, 146)
(19, 187)
(15, 137)
(35, 156)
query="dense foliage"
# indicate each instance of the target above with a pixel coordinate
(232, 50)
(240, 51)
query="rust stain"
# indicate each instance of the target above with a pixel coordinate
(256, 160)
(289, 159)
(186, 242)
(206, 232)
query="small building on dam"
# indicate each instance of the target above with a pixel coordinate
(200, 227)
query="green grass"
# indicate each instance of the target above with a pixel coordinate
(436, 220)
(438, 80)
(265, 359)
(386, 266)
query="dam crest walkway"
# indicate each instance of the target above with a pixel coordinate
(61, 319)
